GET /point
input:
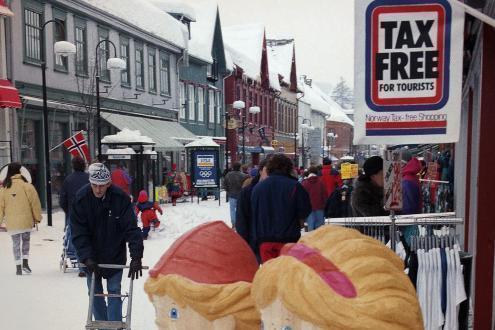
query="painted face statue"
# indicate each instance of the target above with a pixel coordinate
(200, 283)
(336, 278)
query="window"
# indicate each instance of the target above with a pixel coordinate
(211, 106)
(201, 103)
(125, 75)
(81, 47)
(190, 102)
(164, 73)
(152, 69)
(103, 54)
(182, 100)
(218, 105)
(139, 66)
(59, 34)
(32, 34)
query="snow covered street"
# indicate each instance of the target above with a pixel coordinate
(50, 299)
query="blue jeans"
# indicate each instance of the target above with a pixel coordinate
(71, 250)
(315, 220)
(102, 312)
(233, 208)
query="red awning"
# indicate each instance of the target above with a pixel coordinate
(9, 97)
(4, 10)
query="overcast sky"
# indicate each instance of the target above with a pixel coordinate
(323, 31)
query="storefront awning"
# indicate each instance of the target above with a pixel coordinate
(4, 10)
(163, 133)
(9, 96)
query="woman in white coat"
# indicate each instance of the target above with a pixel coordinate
(20, 208)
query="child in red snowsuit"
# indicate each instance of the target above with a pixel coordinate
(148, 213)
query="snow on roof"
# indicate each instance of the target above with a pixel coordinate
(321, 102)
(245, 45)
(176, 7)
(127, 136)
(274, 80)
(203, 142)
(229, 63)
(280, 59)
(144, 15)
(121, 151)
(203, 30)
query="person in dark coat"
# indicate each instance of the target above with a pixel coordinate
(103, 220)
(318, 194)
(367, 195)
(243, 222)
(232, 183)
(280, 205)
(71, 185)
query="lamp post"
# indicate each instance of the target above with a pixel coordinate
(63, 48)
(240, 105)
(113, 63)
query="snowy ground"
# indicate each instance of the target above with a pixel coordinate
(50, 299)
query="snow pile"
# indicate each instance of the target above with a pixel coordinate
(127, 136)
(245, 45)
(177, 7)
(204, 142)
(121, 151)
(146, 16)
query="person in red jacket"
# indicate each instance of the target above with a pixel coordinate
(148, 213)
(330, 176)
(318, 194)
(121, 179)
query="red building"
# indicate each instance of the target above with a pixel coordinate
(249, 82)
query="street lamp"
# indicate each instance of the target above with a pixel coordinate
(240, 105)
(63, 48)
(113, 63)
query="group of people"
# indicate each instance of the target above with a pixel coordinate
(99, 217)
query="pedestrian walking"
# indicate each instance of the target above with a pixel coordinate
(148, 211)
(330, 176)
(232, 184)
(20, 208)
(280, 205)
(174, 185)
(71, 185)
(103, 220)
(121, 178)
(318, 194)
(367, 195)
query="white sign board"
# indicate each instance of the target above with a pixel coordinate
(408, 71)
(392, 177)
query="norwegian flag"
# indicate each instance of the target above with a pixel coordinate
(77, 146)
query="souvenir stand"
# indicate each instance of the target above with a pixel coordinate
(136, 154)
(203, 159)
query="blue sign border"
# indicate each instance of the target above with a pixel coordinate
(215, 170)
(369, 51)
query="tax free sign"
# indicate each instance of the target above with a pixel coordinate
(408, 71)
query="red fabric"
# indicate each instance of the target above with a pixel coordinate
(143, 196)
(119, 178)
(270, 250)
(9, 96)
(317, 192)
(211, 253)
(411, 169)
(331, 181)
(78, 146)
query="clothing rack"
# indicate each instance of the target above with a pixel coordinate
(393, 221)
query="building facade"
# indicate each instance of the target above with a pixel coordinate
(147, 88)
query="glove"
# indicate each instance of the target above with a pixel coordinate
(135, 269)
(92, 266)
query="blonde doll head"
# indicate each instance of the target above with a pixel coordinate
(336, 278)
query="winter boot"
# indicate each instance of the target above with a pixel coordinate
(19, 270)
(25, 266)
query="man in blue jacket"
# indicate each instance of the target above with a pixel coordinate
(102, 221)
(280, 206)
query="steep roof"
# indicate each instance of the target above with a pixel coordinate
(177, 7)
(244, 43)
(203, 30)
(280, 58)
(148, 17)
